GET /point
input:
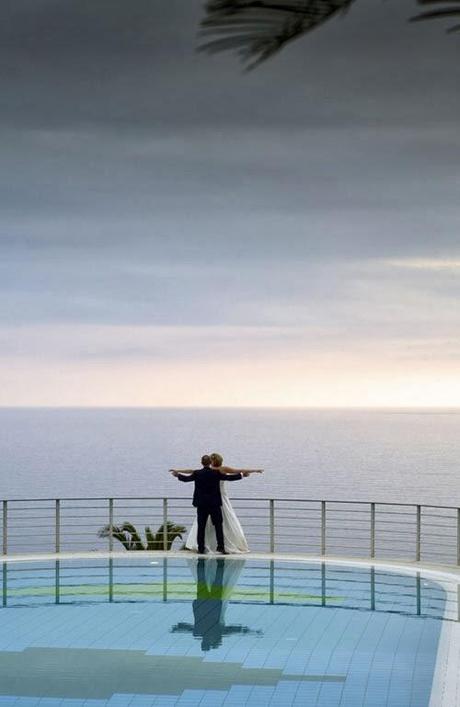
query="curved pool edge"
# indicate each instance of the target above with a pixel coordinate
(448, 571)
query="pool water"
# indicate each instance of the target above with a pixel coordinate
(141, 632)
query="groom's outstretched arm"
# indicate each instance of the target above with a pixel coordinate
(183, 477)
(186, 477)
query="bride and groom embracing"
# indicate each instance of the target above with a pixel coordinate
(211, 501)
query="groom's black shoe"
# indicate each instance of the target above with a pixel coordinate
(222, 550)
(202, 551)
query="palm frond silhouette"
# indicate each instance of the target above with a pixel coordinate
(440, 9)
(258, 29)
(130, 538)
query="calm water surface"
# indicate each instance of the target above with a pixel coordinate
(411, 456)
(137, 633)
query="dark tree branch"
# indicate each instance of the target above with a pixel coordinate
(439, 12)
(258, 29)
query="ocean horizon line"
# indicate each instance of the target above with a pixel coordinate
(280, 408)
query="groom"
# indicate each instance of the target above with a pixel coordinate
(207, 499)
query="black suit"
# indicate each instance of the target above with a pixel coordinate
(208, 501)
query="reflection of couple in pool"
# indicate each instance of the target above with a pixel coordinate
(214, 582)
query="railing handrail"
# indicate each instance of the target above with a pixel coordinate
(265, 499)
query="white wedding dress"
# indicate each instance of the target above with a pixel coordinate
(234, 539)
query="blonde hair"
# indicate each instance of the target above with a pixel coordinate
(216, 459)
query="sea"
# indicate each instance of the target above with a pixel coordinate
(409, 456)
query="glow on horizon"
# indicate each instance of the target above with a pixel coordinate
(150, 366)
(335, 383)
(426, 263)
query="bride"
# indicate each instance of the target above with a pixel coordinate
(235, 541)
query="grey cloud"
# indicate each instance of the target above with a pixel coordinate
(144, 184)
(326, 196)
(331, 302)
(109, 62)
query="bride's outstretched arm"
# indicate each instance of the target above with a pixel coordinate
(230, 470)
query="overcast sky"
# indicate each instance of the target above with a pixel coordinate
(177, 232)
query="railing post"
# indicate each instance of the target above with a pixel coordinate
(458, 536)
(372, 588)
(272, 582)
(110, 579)
(5, 584)
(323, 584)
(165, 524)
(419, 534)
(57, 534)
(372, 530)
(5, 527)
(272, 525)
(110, 524)
(57, 582)
(418, 585)
(165, 579)
(323, 527)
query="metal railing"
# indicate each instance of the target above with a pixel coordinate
(371, 530)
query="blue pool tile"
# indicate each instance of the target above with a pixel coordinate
(329, 694)
(387, 659)
(213, 698)
(119, 701)
(190, 698)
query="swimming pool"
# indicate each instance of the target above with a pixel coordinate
(142, 631)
